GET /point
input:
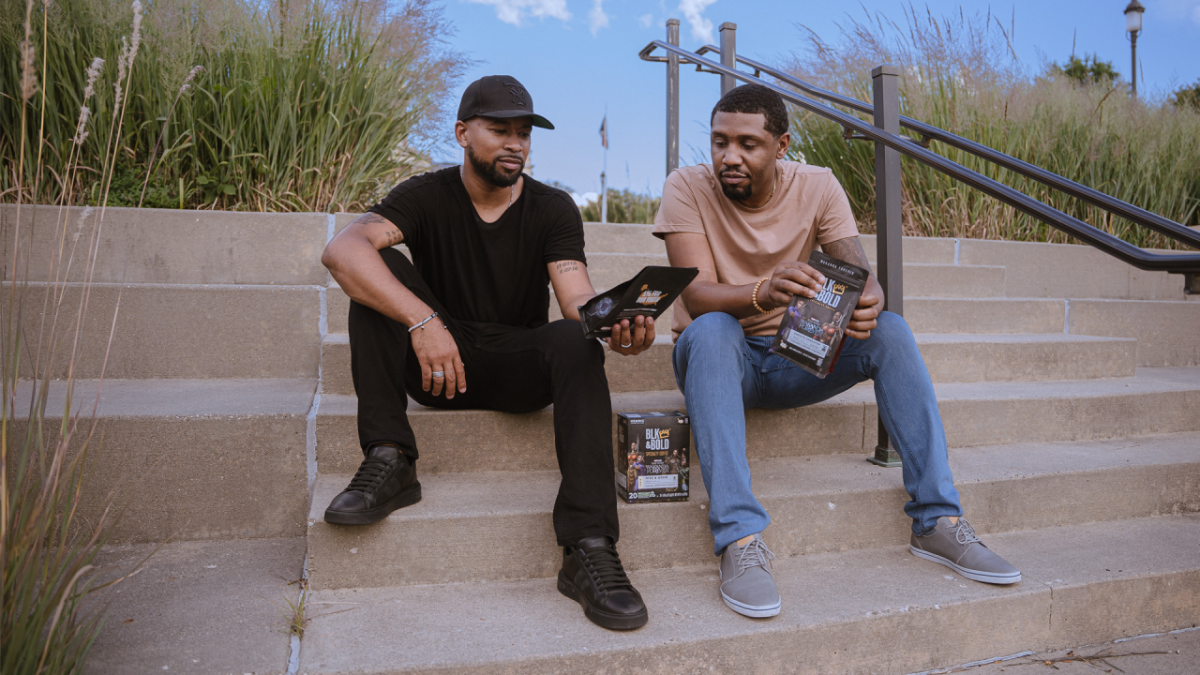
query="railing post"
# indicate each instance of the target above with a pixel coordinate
(889, 259)
(728, 55)
(672, 98)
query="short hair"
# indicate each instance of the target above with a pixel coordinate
(755, 99)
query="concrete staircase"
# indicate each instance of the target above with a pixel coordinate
(1069, 385)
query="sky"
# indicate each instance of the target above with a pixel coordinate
(579, 61)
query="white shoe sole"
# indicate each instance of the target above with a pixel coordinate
(753, 612)
(974, 575)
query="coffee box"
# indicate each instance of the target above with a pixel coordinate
(652, 458)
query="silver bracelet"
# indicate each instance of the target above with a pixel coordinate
(421, 325)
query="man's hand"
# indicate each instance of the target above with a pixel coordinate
(862, 322)
(790, 278)
(633, 338)
(438, 352)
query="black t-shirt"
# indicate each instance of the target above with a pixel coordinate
(487, 275)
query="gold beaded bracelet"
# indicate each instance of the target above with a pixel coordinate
(754, 297)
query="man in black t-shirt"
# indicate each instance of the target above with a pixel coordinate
(473, 304)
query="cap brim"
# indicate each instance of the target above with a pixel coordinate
(538, 120)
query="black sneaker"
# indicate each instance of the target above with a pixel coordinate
(385, 481)
(592, 575)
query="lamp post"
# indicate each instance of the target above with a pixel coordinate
(1133, 26)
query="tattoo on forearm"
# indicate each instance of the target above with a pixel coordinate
(849, 249)
(564, 266)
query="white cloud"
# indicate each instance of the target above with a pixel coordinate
(598, 17)
(646, 20)
(585, 198)
(512, 11)
(693, 11)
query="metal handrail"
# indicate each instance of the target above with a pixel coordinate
(1136, 214)
(1183, 263)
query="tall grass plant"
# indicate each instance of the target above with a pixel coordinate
(961, 74)
(301, 105)
(47, 546)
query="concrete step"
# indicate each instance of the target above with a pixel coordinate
(817, 505)
(932, 250)
(198, 608)
(167, 246)
(920, 279)
(609, 269)
(1167, 333)
(879, 610)
(1155, 401)
(193, 459)
(185, 331)
(950, 358)
(1068, 271)
(617, 238)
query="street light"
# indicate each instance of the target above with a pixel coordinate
(1133, 26)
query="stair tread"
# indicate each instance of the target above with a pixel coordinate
(921, 338)
(455, 495)
(183, 397)
(1147, 380)
(831, 601)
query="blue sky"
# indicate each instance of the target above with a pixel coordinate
(579, 58)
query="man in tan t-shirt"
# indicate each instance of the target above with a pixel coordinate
(746, 222)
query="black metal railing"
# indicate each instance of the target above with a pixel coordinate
(1136, 214)
(1180, 263)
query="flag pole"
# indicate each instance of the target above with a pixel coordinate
(604, 173)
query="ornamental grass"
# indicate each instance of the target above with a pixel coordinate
(48, 538)
(297, 106)
(961, 74)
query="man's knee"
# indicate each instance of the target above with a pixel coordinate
(566, 345)
(712, 334)
(892, 329)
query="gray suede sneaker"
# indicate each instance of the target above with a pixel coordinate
(747, 585)
(957, 547)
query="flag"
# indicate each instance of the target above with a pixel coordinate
(604, 132)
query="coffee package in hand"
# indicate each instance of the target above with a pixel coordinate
(813, 330)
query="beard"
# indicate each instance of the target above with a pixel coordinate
(492, 172)
(739, 194)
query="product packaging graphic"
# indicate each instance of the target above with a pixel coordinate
(649, 293)
(813, 330)
(652, 459)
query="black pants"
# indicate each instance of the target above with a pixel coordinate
(513, 372)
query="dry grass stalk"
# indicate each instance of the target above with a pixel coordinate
(47, 543)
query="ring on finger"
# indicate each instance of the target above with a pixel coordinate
(439, 373)
(627, 346)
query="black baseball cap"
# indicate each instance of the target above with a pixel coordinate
(499, 96)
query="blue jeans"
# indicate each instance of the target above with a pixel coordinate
(722, 373)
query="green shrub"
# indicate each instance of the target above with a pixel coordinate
(1187, 97)
(1088, 70)
(961, 75)
(624, 206)
(305, 105)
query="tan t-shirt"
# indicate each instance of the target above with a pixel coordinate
(809, 209)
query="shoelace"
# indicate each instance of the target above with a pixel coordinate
(755, 554)
(603, 565)
(965, 533)
(370, 475)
